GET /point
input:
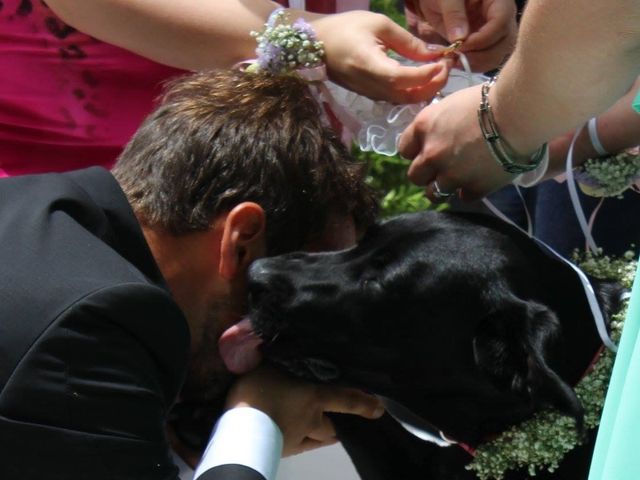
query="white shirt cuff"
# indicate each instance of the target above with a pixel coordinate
(244, 436)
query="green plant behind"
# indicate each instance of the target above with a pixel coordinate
(389, 8)
(388, 175)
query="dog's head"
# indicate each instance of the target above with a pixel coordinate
(437, 312)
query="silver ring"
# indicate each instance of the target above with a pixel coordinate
(439, 194)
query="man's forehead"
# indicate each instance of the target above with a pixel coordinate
(339, 233)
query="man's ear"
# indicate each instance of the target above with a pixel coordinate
(243, 239)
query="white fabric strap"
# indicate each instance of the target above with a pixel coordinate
(575, 199)
(598, 318)
(529, 179)
(414, 424)
(502, 216)
(467, 68)
(592, 127)
(244, 436)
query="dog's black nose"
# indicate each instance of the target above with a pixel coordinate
(267, 280)
(258, 276)
(264, 271)
(258, 271)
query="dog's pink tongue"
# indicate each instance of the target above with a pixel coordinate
(238, 347)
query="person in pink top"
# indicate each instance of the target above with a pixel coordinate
(66, 100)
(70, 99)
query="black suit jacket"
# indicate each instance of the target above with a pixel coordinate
(93, 348)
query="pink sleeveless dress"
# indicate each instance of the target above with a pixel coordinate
(67, 100)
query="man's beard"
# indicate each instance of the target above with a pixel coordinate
(204, 391)
(207, 377)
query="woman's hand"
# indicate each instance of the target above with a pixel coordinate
(356, 45)
(488, 27)
(446, 145)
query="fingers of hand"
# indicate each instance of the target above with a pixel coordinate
(324, 431)
(486, 60)
(454, 14)
(398, 84)
(484, 55)
(411, 141)
(413, 146)
(421, 171)
(349, 400)
(438, 192)
(310, 444)
(491, 25)
(417, 84)
(404, 43)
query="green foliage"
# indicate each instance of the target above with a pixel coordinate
(390, 9)
(388, 175)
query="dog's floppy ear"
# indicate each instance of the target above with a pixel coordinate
(514, 347)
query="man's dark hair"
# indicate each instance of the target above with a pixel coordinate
(225, 137)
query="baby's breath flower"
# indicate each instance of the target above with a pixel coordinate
(621, 269)
(283, 48)
(609, 176)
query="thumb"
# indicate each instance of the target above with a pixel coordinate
(350, 400)
(403, 42)
(454, 15)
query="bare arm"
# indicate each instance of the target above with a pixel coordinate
(573, 60)
(189, 34)
(618, 129)
(202, 34)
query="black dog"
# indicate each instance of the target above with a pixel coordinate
(459, 318)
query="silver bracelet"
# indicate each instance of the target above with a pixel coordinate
(499, 148)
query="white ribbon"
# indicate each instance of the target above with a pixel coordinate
(575, 199)
(592, 127)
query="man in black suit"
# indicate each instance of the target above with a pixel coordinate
(117, 287)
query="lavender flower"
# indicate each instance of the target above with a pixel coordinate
(283, 48)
